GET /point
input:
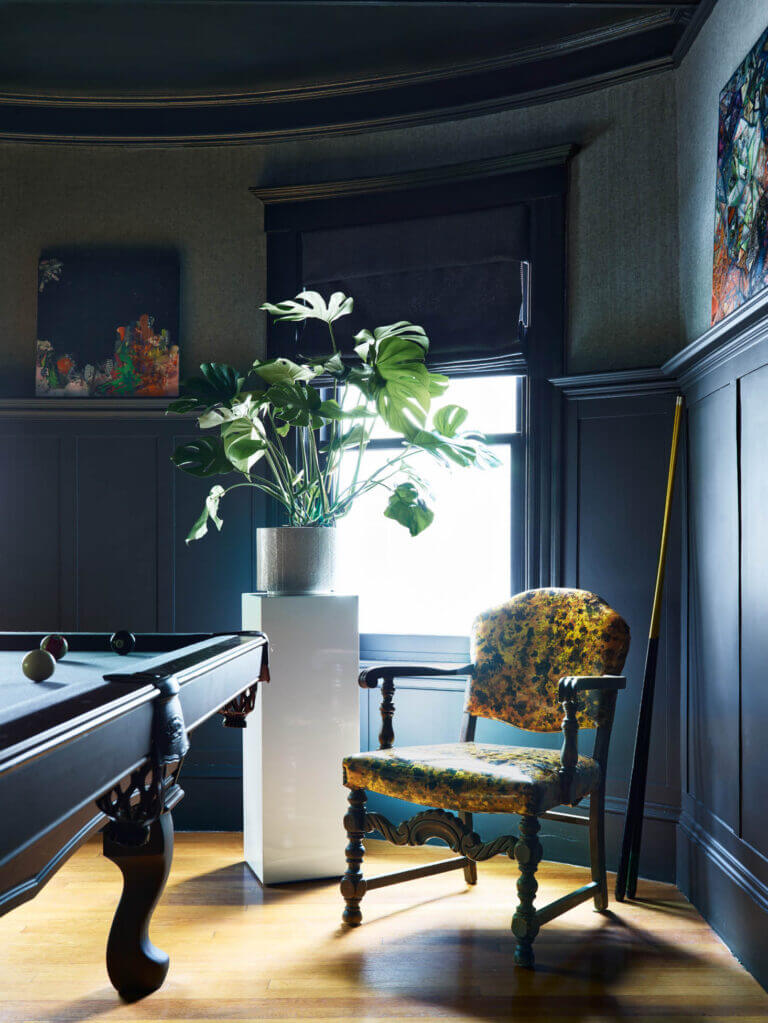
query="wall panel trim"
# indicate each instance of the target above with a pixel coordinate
(708, 361)
(624, 383)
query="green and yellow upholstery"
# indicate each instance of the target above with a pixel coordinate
(543, 660)
(521, 649)
(471, 776)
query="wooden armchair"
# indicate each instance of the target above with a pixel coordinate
(541, 648)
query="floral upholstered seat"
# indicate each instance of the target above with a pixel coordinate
(473, 777)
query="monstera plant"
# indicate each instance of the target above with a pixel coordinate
(285, 425)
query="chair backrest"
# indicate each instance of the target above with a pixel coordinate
(521, 649)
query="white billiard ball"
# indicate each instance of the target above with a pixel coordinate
(38, 665)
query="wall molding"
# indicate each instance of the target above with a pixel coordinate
(625, 383)
(732, 900)
(448, 174)
(85, 408)
(745, 328)
(572, 66)
(725, 860)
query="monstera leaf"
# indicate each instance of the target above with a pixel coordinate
(202, 457)
(368, 342)
(283, 371)
(295, 404)
(402, 383)
(449, 419)
(309, 305)
(210, 512)
(244, 443)
(407, 507)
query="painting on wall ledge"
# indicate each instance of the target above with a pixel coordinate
(741, 213)
(107, 323)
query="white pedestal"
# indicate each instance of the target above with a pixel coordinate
(305, 721)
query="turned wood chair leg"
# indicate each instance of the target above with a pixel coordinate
(597, 847)
(525, 925)
(353, 882)
(470, 867)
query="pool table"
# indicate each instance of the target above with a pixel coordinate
(100, 745)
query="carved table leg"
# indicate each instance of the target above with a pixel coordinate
(353, 882)
(136, 968)
(525, 925)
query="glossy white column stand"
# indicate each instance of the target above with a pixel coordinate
(304, 722)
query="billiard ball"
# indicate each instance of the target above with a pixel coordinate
(56, 645)
(122, 642)
(38, 665)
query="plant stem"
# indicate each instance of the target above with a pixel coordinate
(320, 480)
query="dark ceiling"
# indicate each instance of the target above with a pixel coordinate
(209, 70)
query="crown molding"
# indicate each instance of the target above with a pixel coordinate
(623, 383)
(555, 156)
(578, 64)
(342, 86)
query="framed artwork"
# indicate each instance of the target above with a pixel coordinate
(741, 211)
(107, 323)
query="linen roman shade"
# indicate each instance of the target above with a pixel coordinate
(461, 276)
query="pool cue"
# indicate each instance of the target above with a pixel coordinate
(626, 875)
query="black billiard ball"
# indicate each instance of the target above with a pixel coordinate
(123, 642)
(55, 645)
(38, 665)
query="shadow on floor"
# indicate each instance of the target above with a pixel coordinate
(234, 885)
(471, 972)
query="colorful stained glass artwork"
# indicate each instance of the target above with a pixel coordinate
(108, 323)
(741, 215)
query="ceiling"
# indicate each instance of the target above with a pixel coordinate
(185, 71)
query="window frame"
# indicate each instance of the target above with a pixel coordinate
(540, 180)
(429, 647)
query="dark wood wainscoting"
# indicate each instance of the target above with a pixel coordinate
(94, 520)
(618, 430)
(723, 834)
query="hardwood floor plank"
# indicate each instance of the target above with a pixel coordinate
(430, 950)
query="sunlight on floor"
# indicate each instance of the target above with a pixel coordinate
(429, 949)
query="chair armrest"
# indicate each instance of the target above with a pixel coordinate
(387, 673)
(369, 678)
(569, 686)
(568, 690)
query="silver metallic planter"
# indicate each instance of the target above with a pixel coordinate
(295, 559)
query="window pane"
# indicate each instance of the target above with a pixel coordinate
(490, 400)
(434, 583)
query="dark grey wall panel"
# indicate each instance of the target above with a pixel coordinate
(618, 435)
(723, 834)
(623, 453)
(210, 574)
(30, 538)
(94, 520)
(713, 601)
(117, 525)
(754, 625)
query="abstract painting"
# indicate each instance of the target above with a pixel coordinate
(107, 323)
(741, 213)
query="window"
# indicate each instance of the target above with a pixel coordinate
(434, 584)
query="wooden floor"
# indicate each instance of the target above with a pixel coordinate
(431, 949)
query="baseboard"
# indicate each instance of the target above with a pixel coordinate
(730, 898)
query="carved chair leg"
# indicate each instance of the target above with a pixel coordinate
(470, 867)
(353, 882)
(525, 925)
(597, 847)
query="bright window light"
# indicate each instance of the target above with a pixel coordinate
(434, 584)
